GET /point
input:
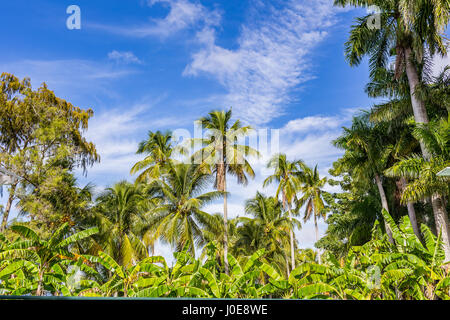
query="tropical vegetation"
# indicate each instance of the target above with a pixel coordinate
(388, 233)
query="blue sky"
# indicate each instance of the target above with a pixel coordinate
(161, 64)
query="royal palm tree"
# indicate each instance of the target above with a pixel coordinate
(436, 137)
(396, 112)
(122, 222)
(179, 219)
(312, 197)
(222, 154)
(287, 175)
(408, 28)
(366, 155)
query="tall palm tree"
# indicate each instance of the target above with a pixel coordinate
(396, 112)
(436, 137)
(287, 175)
(121, 222)
(222, 154)
(159, 148)
(273, 226)
(366, 155)
(409, 28)
(179, 219)
(312, 196)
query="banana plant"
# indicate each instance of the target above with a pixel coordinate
(44, 254)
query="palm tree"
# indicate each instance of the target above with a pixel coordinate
(287, 175)
(222, 154)
(122, 223)
(312, 196)
(409, 28)
(366, 155)
(216, 233)
(396, 112)
(426, 183)
(179, 219)
(159, 148)
(272, 226)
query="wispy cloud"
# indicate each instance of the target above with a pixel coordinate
(183, 15)
(70, 77)
(124, 57)
(272, 59)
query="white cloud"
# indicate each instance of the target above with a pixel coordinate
(123, 56)
(312, 123)
(272, 58)
(183, 15)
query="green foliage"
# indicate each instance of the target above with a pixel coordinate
(378, 269)
(41, 141)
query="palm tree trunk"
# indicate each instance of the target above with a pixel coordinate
(420, 116)
(291, 235)
(288, 272)
(442, 225)
(317, 238)
(12, 192)
(225, 223)
(384, 204)
(411, 211)
(418, 105)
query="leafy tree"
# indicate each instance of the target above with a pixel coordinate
(41, 141)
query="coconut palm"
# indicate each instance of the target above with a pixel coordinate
(159, 148)
(222, 154)
(312, 197)
(273, 227)
(179, 219)
(121, 221)
(216, 233)
(287, 175)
